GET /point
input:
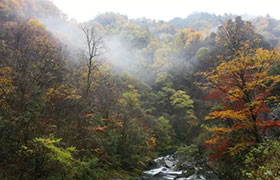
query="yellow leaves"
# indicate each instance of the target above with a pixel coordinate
(35, 23)
(227, 114)
(5, 70)
(187, 37)
(244, 86)
(220, 130)
(85, 74)
(63, 93)
(245, 83)
(6, 86)
(3, 6)
(269, 56)
(235, 94)
(244, 74)
(122, 101)
(238, 148)
(130, 86)
(192, 35)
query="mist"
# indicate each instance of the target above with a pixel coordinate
(118, 53)
(129, 49)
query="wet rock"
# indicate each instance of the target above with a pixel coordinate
(196, 177)
(166, 169)
(169, 163)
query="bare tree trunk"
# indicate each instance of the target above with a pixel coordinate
(94, 48)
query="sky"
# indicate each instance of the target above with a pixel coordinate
(83, 10)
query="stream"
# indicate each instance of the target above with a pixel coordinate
(165, 168)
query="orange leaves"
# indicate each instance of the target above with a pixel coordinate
(220, 130)
(244, 73)
(99, 128)
(268, 124)
(242, 126)
(119, 124)
(152, 142)
(243, 86)
(105, 124)
(187, 37)
(191, 36)
(227, 114)
(89, 115)
(212, 141)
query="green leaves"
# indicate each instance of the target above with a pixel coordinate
(181, 100)
(131, 98)
(64, 156)
(262, 161)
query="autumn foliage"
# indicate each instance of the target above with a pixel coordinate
(244, 85)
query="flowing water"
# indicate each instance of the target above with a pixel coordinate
(165, 168)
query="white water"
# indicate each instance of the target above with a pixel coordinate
(166, 169)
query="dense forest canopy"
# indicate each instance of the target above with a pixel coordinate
(100, 99)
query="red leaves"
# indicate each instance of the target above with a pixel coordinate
(223, 146)
(242, 87)
(268, 124)
(213, 95)
(215, 156)
(219, 150)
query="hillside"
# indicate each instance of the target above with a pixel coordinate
(101, 99)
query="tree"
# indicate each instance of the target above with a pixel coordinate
(31, 61)
(94, 49)
(233, 34)
(187, 43)
(36, 62)
(177, 107)
(242, 88)
(135, 134)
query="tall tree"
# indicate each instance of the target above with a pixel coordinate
(233, 34)
(94, 48)
(242, 88)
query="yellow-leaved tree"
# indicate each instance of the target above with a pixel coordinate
(242, 88)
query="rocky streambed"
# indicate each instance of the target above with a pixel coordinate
(165, 168)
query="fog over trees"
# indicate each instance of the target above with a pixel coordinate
(102, 99)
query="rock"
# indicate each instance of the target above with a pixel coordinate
(168, 163)
(165, 168)
(196, 177)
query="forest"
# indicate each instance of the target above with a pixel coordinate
(100, 100)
